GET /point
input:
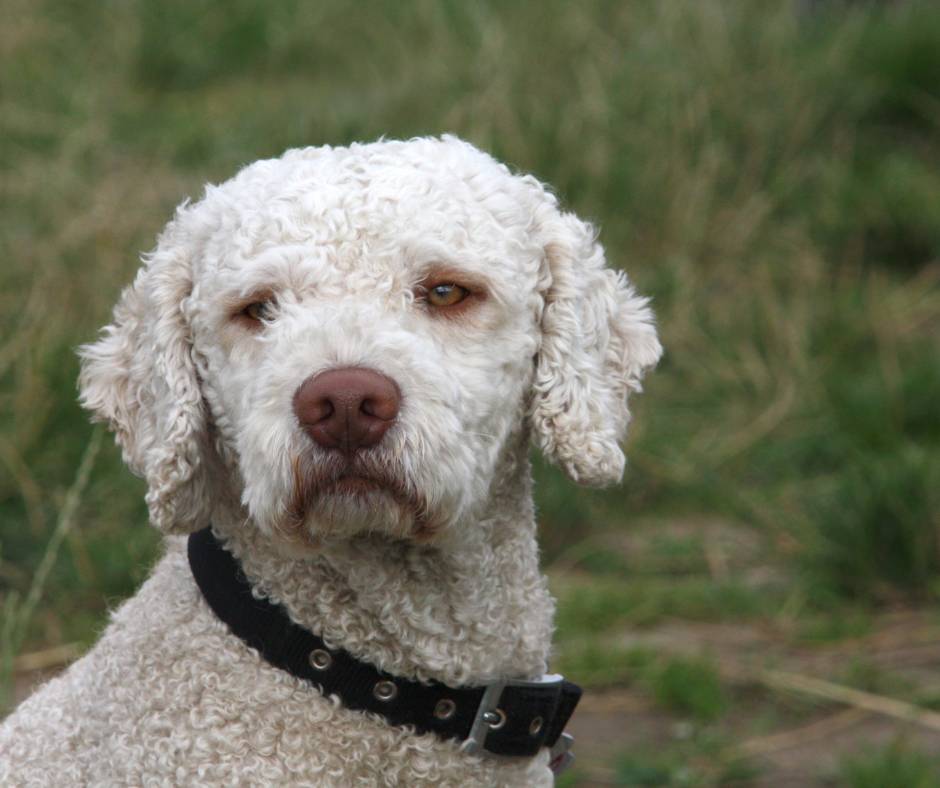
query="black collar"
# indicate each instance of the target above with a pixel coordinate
(507, 718)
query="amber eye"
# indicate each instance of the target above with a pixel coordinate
(446, 294)
(259, 311)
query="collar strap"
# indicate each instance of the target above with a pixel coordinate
(506, 718)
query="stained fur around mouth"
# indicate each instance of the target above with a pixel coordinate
(314, 478)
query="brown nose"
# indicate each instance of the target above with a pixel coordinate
(348, 408)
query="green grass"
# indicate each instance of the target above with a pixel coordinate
(668, 770)
(599, 665)
(600, 603)
(700, 760)
(893, 766)
(690, 686)
(770, 177)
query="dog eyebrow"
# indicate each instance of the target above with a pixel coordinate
(293, 267)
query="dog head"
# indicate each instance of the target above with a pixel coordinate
(353, 337)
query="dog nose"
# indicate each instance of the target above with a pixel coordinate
(348, 408)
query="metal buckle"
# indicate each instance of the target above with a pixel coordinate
(560, 757)
(490, 703)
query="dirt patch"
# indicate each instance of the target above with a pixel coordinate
(791, 736)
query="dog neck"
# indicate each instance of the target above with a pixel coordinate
(472, 608)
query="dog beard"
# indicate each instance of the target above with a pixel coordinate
(336, 497)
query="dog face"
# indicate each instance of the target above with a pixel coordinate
(359, 334)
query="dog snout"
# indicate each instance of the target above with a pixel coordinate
(349, 408)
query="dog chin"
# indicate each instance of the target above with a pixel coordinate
(346, 513)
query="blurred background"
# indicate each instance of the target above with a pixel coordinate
(757, 603)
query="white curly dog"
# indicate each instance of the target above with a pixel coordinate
(337, 359)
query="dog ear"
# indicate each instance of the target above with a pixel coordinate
(598, 338)
(140, 378)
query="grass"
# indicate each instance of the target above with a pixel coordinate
(893, 766)
(690, 686)
(592, 604)
(672, 768)
(770, 175)
(600, 665)
(18, 613)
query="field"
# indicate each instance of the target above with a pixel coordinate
(757, 603)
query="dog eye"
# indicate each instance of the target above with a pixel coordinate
(259, 311)
(446, 294)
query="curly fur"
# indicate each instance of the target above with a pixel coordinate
(434, 577)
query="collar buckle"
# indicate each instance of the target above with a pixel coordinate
(490, 716)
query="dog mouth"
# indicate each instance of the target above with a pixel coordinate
(352, 484)
(334, 484)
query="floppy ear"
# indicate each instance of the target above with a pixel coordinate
(598, 338)
(140, 378)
